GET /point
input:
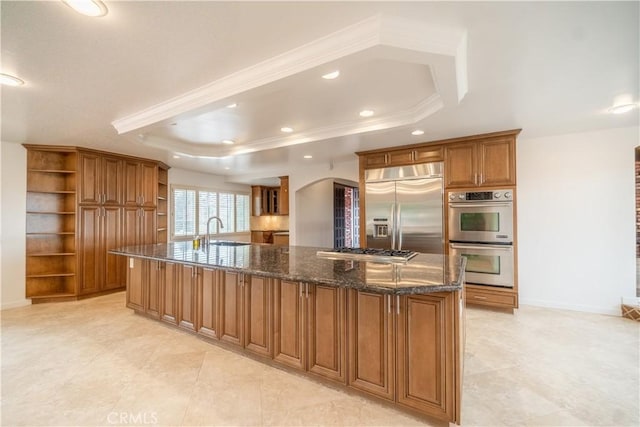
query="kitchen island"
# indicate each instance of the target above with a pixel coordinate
(391, 331)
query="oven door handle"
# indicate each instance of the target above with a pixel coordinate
(481, 205)
(505, 248)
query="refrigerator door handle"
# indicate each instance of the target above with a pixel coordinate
(393, 226)
(399, 226)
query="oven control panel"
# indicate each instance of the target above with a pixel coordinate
(481, 196)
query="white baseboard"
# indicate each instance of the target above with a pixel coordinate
(613, 311)
(15, 304)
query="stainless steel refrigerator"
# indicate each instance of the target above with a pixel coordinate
(404, 208)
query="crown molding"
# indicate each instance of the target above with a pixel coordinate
(443, 49)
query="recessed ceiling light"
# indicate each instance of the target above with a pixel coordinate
(234, 105)
(93, 8)
(332, 75)
(227, 141)
(417, 132)
(308, 156)
(366, 113)
(286, 129)
(175, 156)
(227, 168)
(9, 80)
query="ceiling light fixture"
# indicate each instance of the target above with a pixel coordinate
(622, 104)
(227, 168)
(175, 156)
(93, 8)
(227, 141)
(308, 156)
(286, 129)
(234, 105)
(417, 132)
(366, 113)
(332, 75)
(9, 80)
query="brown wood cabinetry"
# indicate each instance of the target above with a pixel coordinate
(140, 183)
(258, 321)
(270, 200)
(231, 320)
(404, 349)
(309, 322)
(69, 187)
(492, 296)
(284, 195)
(208, 310)
(136, 277)
(371, 337)
(162, 214)
(100, 231)
(155, 285)
(400, 157)
(489, 162)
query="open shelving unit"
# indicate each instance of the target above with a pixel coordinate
(162, 205)
(51, 223)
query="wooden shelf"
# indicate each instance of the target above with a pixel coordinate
(50, 213)
(51, 171)
(162, 198)
(38, 276)
(54, 254)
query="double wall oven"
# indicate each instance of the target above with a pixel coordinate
(481, 229)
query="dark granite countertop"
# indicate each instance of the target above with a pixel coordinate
(425, 273)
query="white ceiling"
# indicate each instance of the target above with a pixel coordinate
(163, 73)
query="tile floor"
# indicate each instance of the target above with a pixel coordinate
(94, 362)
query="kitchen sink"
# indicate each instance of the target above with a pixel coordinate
(227, 243)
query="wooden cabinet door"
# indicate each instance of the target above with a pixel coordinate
(131, 193)
(231, 326)
(258, 323)
(187, 301)
(112, 180)
(111, 237)
(460, 165)
(135, 283)
(169, 293)
(148, 220)
(425, 344)
(377, 160)
(289, 320)
(130, 226)
(155, 284)
(90, 178)
(90, 251)
(256, 200)
(497, 162)
(284, 195)
(208, 305)
(401, 157)
(327, 332)
(371, 343)
(148, 184)
(428, 154)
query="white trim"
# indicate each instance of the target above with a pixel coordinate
(15, 304)
(611, 311)
(444, 49)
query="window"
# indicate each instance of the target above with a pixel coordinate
(192, 207)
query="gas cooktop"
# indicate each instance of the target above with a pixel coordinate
(368, 254)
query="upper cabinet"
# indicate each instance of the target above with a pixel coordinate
(102, 179)
(141, 183)
(407, 156)
(270, 200)
(487, 163)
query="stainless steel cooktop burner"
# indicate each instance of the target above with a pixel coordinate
(368, 254)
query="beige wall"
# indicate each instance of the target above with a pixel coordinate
(13, 196)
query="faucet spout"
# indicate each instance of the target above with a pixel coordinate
(207, 238)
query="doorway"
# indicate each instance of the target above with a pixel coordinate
(346, 216)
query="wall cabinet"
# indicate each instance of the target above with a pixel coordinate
(401, 157)
(102, 179)
(284, 195)
(140, 183)
(270, 200)
(488, 162)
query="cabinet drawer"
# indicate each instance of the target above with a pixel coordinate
(376, 160)
(493, 298)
